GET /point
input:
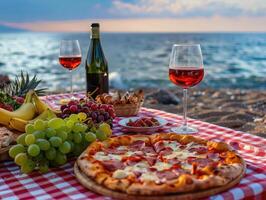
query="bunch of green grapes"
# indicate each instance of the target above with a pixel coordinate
(49, 143)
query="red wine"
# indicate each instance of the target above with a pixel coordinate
(186, 77)
(70, 62)
(98, 82)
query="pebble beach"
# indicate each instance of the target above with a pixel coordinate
(243, 110)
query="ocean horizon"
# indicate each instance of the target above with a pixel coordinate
(139, 60)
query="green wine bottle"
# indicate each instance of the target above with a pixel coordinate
(96, 65)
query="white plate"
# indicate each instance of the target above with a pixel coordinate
(123, 123)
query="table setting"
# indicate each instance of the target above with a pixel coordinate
(97, 144)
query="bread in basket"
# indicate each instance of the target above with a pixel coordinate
(127, 104)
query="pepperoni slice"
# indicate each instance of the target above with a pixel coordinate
(179, 171)
(151, 159)
(137, 173)
(138, 153)
(173, 161)
(166, 151)
(168, 175)
(132, 160)
(148, 149)
(159, 146)
(112, 165)
(199, 150)
(137, 145)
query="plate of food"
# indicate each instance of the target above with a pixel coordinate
(142, 124)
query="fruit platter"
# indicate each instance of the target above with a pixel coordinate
(37, 137)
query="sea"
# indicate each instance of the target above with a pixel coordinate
(139, 60)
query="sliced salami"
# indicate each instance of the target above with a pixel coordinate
(151, 159)
(137, 145)
(149, 150)
(112, 165)
(168, 175)
(132, 160)
(159, 146)
(173, 161)
(198, 150)
(166, 151)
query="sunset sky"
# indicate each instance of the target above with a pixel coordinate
(135, 15)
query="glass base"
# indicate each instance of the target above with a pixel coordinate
(184, 130)
(73, 98)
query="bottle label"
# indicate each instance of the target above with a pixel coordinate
(95, 33)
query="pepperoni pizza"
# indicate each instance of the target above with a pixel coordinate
(160, 164)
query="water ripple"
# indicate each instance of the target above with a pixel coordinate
(140, 60)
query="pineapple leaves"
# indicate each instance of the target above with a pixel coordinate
(22, 84)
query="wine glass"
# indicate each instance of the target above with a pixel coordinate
(186, 70)
(70, 58)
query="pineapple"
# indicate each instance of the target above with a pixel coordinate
(22, 84)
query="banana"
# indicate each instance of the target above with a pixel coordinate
(47, 114)
(18, 124)
(26, 111)
(40, 105)
(31, 107)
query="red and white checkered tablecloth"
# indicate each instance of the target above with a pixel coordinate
(60, 183)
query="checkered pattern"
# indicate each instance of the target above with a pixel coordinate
(61, 183)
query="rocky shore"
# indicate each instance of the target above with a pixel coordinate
(243, 110)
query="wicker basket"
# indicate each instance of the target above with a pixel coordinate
(127, 109)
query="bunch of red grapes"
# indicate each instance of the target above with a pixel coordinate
(96, 112)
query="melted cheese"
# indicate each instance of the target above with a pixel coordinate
(181, 155)
(187, 166)
(172, 144)
(121, 148)
(150, 176)
(119, 174)
(160, 166)
(141, 167)
(102, 156)
(193, 145)
(129, 153)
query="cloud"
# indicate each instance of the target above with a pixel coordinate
(188, 8)
(199, 24)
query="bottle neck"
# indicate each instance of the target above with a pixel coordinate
(95, 33)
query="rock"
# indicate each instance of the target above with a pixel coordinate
(164, 97)
(212, 119)
(231, 123)
(247, 127)
(233, 105)
(4, 80)
(211, 113)
(239, 116)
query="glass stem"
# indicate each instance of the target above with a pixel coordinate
(71, 83)
(185, 108)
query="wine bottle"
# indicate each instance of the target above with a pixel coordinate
(96, 65)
